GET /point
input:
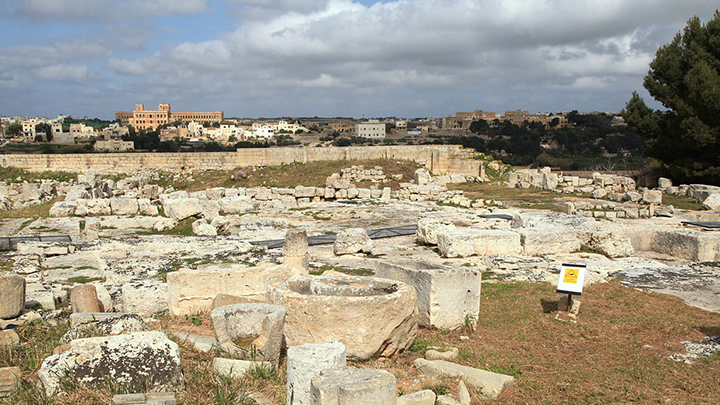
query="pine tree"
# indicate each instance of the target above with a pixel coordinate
(685, 78)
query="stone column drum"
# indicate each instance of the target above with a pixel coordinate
(354, 386)
(305, 362)
(296, 250)
(12, 296)
(260, 326)
(84, 298)
(370, 316)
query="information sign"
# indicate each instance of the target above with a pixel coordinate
(572, 277)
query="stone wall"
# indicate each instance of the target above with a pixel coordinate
(440, 159)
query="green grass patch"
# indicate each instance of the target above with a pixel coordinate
(681, 202)
(183, 228)
(84, 280)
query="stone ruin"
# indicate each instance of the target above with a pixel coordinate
(260, 309)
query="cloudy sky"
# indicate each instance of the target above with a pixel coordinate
(271, 58)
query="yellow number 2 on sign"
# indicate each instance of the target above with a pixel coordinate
(571, 276)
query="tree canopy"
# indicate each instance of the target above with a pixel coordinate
(685, 78)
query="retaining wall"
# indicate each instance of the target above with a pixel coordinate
(440, 159)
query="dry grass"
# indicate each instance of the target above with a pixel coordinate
(515, 197)
(617, 352)
(311, 174)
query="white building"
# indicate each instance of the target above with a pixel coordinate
(372, 129)
(260, 131)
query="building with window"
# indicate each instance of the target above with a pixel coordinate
(142, 119)
(372, 129)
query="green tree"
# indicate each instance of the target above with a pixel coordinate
(13, 130)
(685, 78)
(44, 128)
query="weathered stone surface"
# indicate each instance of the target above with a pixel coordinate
(202, 228)
(145, 298)
(124, 206)
(92, 207)
(181, 208)
(544, 241)
(102, 324)
(305, 362)
(296, 250)
(12, 296)
(422, 177)
(371, 316)
(485, 383)
(652, 197)
(664, 183)
(612, 244)
(688, 244)
(482, 242)
(62, 209)
(83, 298)
(193, 291)
(9, 379)
(446, 297)
(712, 202)
(151, 398)
(442, 353)
(424, 397)
(350, 386)
(447, 400)
(235, 368)
(141, 360)
(260, 325)
(352, 240)
(463, 393)
(8, 338)
(429, 229)
(221, 300)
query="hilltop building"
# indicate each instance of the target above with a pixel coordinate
(141, 119)
(372, 129)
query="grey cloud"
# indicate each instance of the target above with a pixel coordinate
(90, 11)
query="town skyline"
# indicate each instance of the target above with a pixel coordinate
(330, 58)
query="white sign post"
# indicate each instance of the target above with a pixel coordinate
(570, 282)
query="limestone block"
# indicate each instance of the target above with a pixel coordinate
(215, 193)
(259, 325)
(353, 386)
(463, 393)
(235, 368)
(370, 316)
(12, 296)
(447, 400)
(351, 241)
(664, 183)
(181, 208)
(92, 207)
(9, 380)
(76, 193)
(140, 360)
(193, 291)
(93, 324)
(612, 244)
(652, 197)
(700, 192)
(221, 300)
(422, 177)
(42, 299)
(144, 298)
(124, 206)
(688, 244)
(424, 397)
(441, 353)
(483, 242)
(446, 297)
(485, 383)
(305, 362)
(83, 298)
(364, 193)
(296, 250)
(62, 209)
(8, 339)
(429, 228)
(151, 398)
(202, 228)
(146, 207)
(544, 241)
(305, 192)
(712, 202)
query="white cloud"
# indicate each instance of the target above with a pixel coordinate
(63, 73)
(89, 11)
(126, 67)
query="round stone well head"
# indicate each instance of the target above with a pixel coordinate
(371, 316)
(250, 331)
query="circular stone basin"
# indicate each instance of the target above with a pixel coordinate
(371, 316)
